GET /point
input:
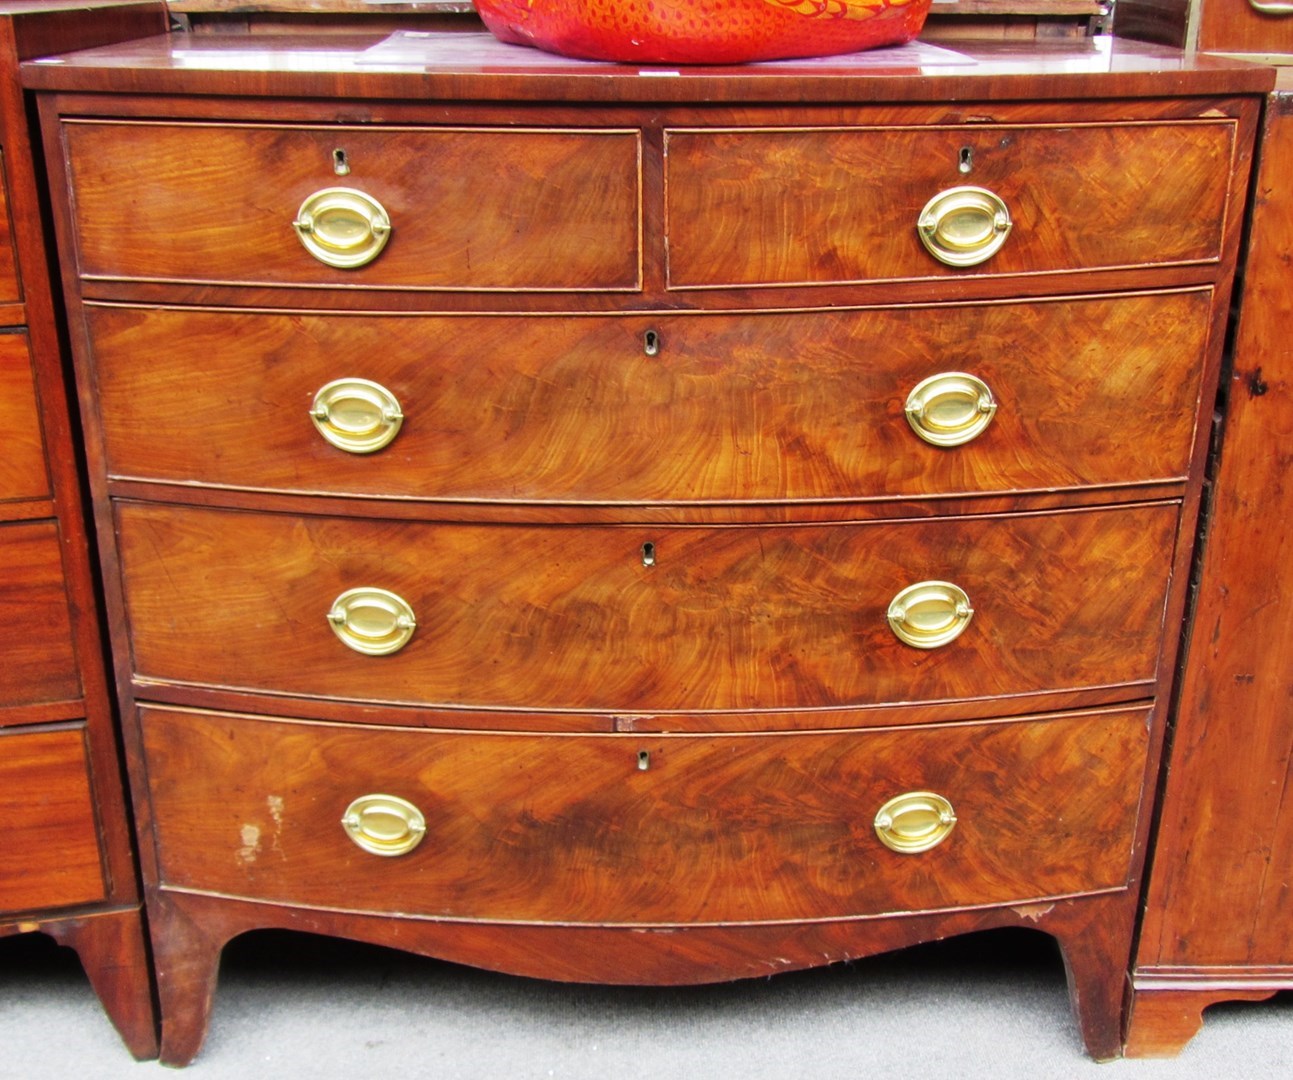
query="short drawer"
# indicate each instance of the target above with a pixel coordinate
(628, 618)
(50, 855)
(647, 830)
(10, 286)
(37, 654)
(836, 205)
(467, 208)
(656, 407)
(22, 464)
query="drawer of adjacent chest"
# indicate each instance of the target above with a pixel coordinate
(10, 288)
(833, 205)
(646, 618)
(50, 854)
(22, 462)
(657, 829)
(432, 208)
(37, 655)
(658, 407)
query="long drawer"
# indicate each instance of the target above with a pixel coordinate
(833, 205)
(50, 855)
(634, 829)
(646, 618)
(558, 209)
(37, 654)
(656, 407)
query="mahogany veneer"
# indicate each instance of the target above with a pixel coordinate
(66, 864)
(650, 340)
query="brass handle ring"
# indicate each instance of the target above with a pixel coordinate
(964, 226)
(950, 409)
(384, 824)
(915, 821)
(343, 227)
(375, 622)
(929, 614)
(356, 415)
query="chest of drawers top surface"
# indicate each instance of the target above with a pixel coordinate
(473, 66)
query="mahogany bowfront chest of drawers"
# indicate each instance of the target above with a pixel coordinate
(644, 527)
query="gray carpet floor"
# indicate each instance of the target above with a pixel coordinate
(991, 1006)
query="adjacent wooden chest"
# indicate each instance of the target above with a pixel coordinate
(67, 865)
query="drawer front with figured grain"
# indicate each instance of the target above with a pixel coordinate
(657, 407)
(22, 462)
(644, 829)
(37, 654)
(645, 618)
(559, 209)
(50, 855)
(816, 206)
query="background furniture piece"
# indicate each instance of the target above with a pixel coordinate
(66, 864)
(1259, 29)
(636, 527)
(977, 19)
(1218, 921)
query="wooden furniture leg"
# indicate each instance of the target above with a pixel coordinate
(1161, 1022)
(114, 955)
(187, 956)
(1094, 959)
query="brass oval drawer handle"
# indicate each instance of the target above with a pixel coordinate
(384, 824)
(930, 614)
(964, 226)
(915, 821)
(950, 409)
(1271, 8)
(375, 622)
(356, 415)
(343, 227)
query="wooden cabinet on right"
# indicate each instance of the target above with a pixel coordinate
(1262, 28)
(1218, 923)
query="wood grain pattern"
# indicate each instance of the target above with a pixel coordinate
(1091, 392)
(819, 206)
(1228, 807)
(22, 465)
(1235, 26)
(10, 286)
(50, 857)
(570, 829)
(37, 654)
(736, 619)
(561, 209)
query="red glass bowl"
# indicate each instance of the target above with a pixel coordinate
(703, 31)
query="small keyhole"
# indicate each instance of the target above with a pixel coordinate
(648, 554)
(644, 760)
(651, 343)
(967, 159)
(339, 163)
